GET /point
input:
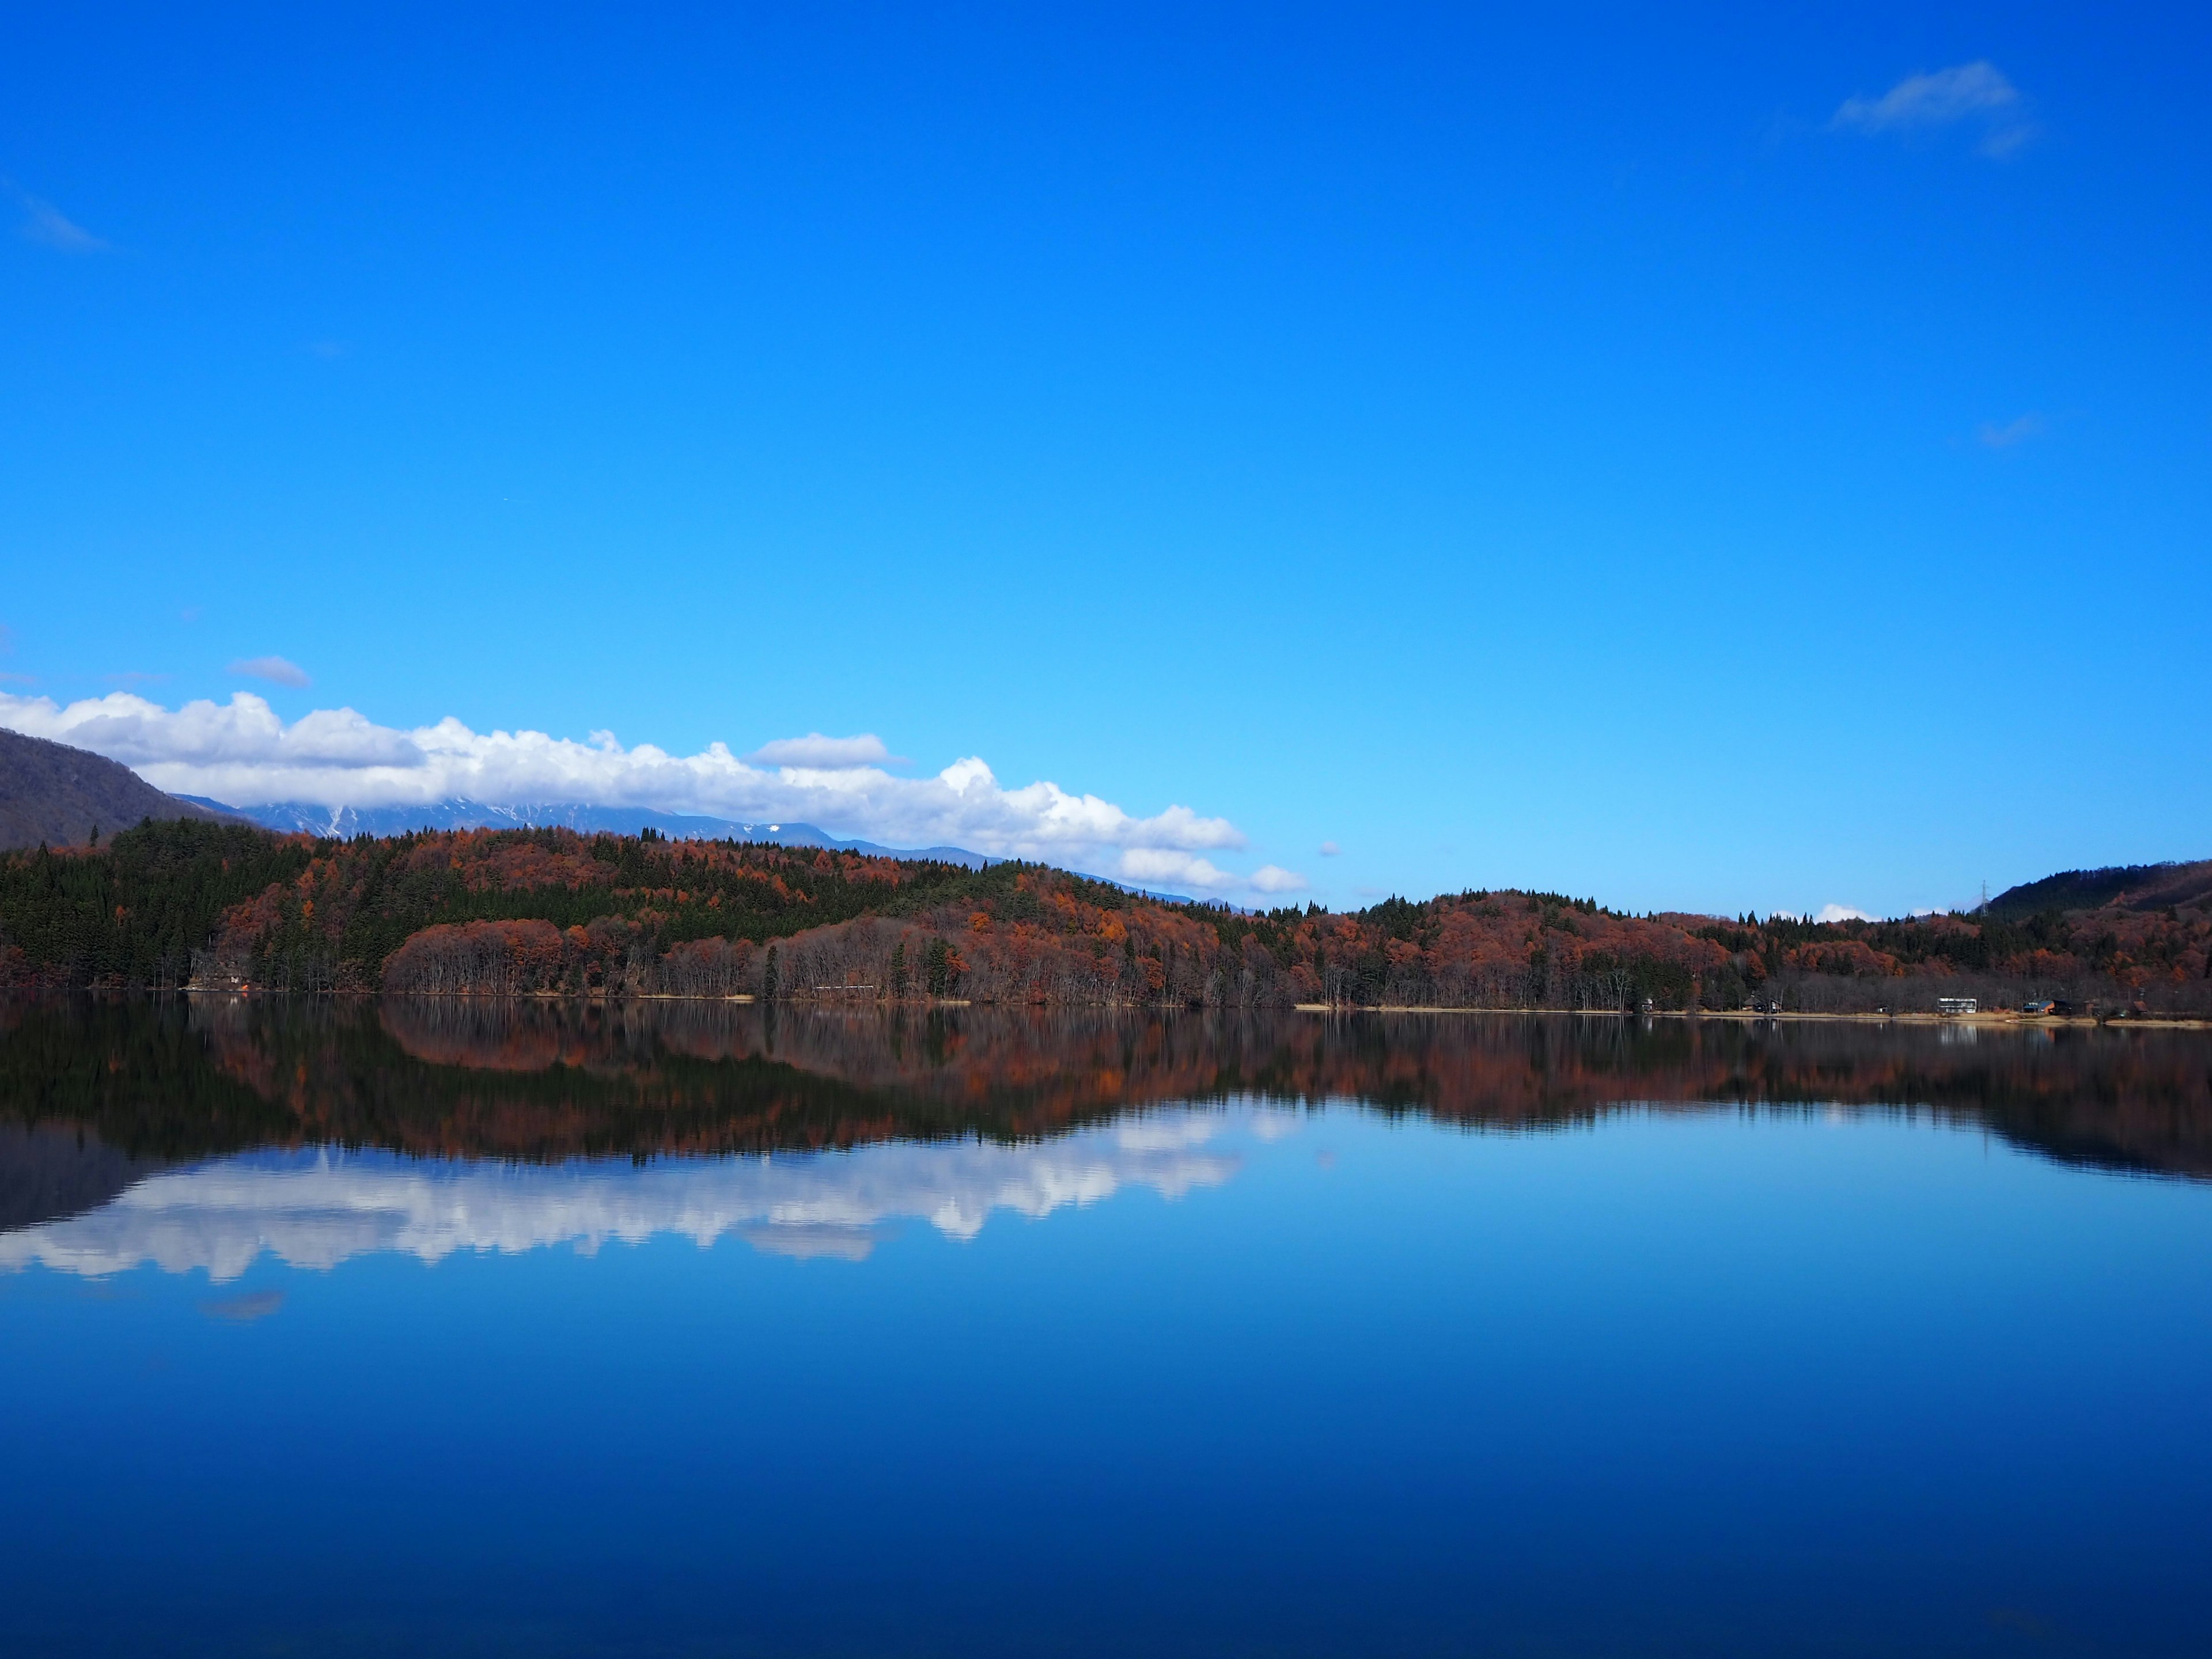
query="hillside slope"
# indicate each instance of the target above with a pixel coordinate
(344, 823)
(547, 911)
(51, 793)
(2117, 887)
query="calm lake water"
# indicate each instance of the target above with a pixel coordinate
(452, 1328)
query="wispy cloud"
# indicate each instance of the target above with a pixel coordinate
(1977, 93)
(277, 670)
(2012, 432)
(45, 224)
(815, 753)
(1329, 849)
(242, 752)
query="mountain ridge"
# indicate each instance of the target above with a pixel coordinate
(62, 795)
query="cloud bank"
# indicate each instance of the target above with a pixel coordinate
(241, 753)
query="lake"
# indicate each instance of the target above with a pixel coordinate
(686, 1328)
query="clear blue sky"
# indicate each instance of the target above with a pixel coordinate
(1590, 452)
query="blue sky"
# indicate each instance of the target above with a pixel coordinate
(1715, 461)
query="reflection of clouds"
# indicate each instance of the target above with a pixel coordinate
(804, 1242)
(316, 1209)
(1169, 1131)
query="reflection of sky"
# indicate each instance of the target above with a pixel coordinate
(316, 1209)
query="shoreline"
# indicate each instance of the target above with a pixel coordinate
(1999, 1017)
(1995, 1019)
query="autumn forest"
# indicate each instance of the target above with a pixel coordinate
(551, 912)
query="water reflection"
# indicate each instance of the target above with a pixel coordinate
(1732, 1385)
(315, 1209)
(430, 1127)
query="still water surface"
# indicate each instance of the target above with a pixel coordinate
(452, 1329)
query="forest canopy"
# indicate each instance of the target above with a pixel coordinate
(547, 911)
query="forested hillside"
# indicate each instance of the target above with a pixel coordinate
(2124, 887)
(51, 793)
(550, 911)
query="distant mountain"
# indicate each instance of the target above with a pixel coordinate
(1158, 897)
(462, 814)
(2120, 886)
(51, 793)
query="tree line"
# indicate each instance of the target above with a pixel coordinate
(551, 912)
(532, 1080)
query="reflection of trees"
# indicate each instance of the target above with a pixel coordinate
(534, 1079)
(136, 1070)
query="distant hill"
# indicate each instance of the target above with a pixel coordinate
(51, 793)
(463, 814)
(549, 909)
(460, 813)
(2119, 886)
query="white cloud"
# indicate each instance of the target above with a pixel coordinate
(815, 753)
(44, 223)
(1329, 849)
(1273, 879)
(1976, 91)
(1841, 912)
(1163, 867)
(276, 669)
(242, 752)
